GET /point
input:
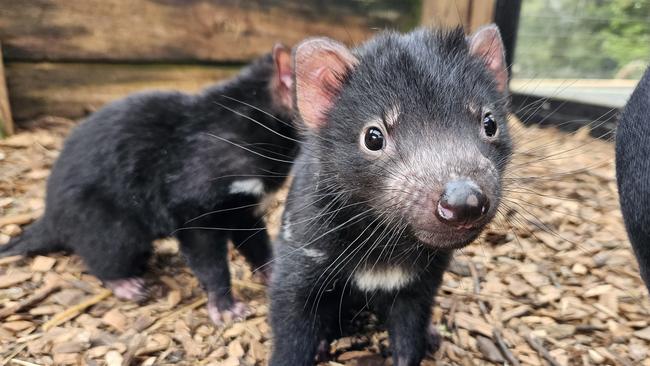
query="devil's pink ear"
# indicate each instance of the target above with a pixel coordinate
(486, 43)
(283, 81)
(321, 65)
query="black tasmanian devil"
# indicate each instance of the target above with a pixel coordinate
(147, 165)
(406, 142)
(633, 172)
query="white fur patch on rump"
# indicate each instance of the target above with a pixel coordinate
(253, 187)
(387, 279)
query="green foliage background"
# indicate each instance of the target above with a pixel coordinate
(583, 39)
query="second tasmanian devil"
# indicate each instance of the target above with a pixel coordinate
(149, 165)
(633, 172)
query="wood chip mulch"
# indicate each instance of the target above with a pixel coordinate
(552, 282)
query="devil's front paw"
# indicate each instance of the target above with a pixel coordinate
(222, 312)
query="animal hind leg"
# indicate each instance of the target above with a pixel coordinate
(116, 250)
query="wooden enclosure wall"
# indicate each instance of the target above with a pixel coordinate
(68, 57)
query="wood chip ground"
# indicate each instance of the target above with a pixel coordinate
(552, 282)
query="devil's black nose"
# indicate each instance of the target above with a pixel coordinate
(462, 203)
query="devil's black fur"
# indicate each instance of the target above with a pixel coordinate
(633, 172)
(147, 166)
(347, 212)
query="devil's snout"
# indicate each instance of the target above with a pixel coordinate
(462, 204)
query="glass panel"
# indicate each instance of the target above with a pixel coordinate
(591, 51)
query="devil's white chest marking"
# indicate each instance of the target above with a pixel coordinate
(387, 278)
(253, 187)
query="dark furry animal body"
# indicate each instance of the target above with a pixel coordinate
(149, 165)
(633, 172)
(401, 164)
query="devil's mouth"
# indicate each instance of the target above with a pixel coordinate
(458, 238)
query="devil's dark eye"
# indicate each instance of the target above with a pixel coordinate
(489, 125)
(374, 139)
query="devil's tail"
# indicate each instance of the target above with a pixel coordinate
(34, 240)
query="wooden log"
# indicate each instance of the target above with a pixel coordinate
(72, 90)
(481, 13)
(6, 121)
(182, 30)
(446, 13)
(470, 14)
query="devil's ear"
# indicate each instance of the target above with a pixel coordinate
(283, 80)
(486, 44)
(321, 65)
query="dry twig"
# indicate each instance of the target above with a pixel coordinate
(37, 296)
(539, 347)
(175, 313)
(74, 311)
(503, 347)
